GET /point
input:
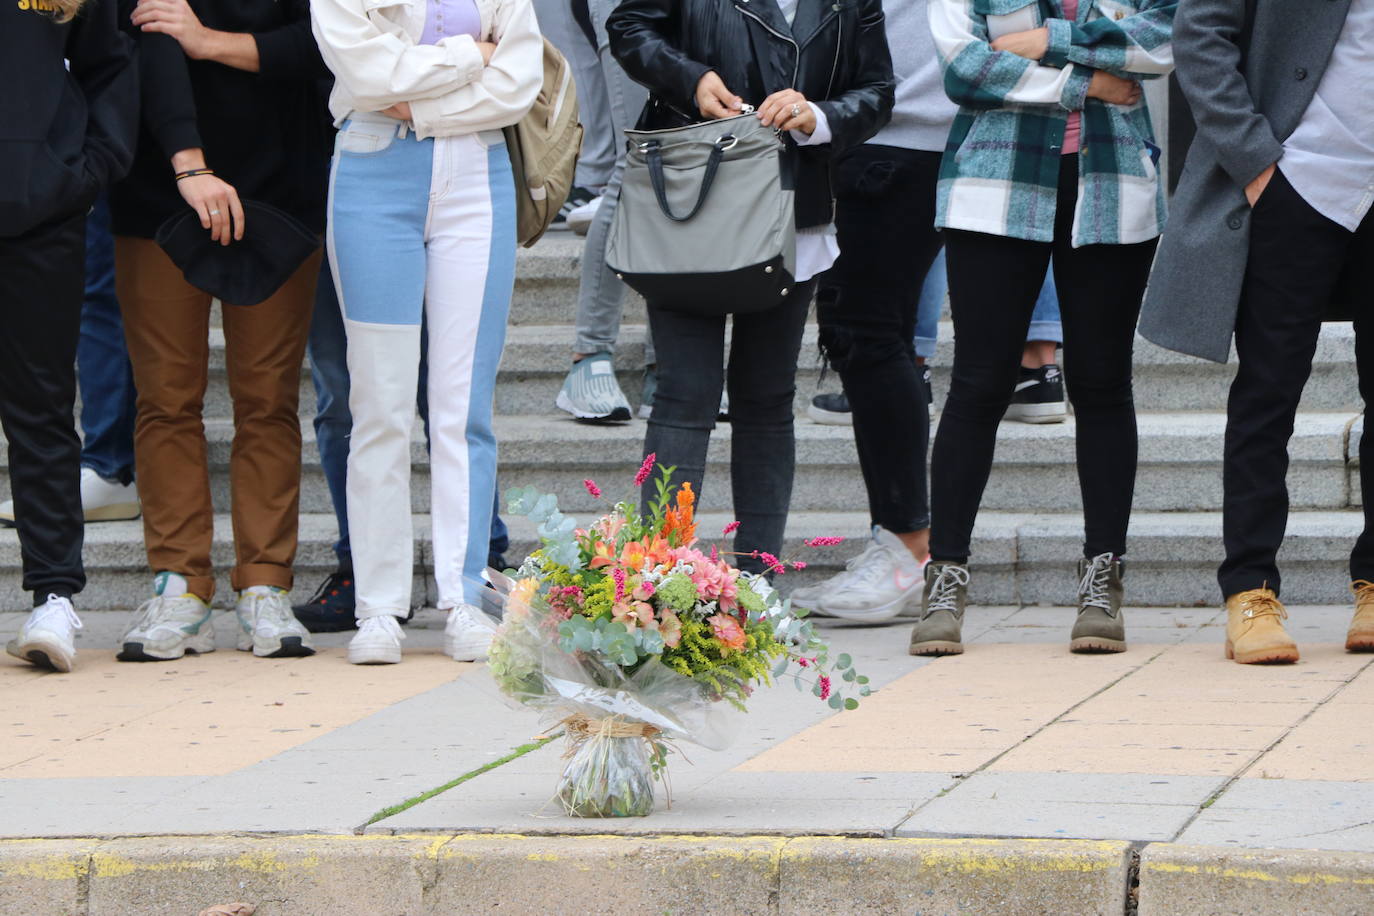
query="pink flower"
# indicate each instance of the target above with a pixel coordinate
(825, 687)
(772, 562)
(824, 542)
(728, 631)
(804, 662)
(715, 555)
(714, 581)
(730, 528)
(799, 565)
(644, 591)
(592, 488)
(619, 575)
(646, 469)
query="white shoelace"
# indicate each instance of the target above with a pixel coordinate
(944, 594)
(56, 606)
(1092, 591)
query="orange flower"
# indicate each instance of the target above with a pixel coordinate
(633, 556)
(603, 554)
(728, 631)
(679, 524)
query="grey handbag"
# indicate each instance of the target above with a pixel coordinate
(704, 223)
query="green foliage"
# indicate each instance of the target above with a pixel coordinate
(676, 592)
(725, 673)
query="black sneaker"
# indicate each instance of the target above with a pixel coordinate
(1039, 396)
(830, 409)
(332, 608)
(576, 198)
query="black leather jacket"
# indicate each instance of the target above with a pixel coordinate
(835, 53)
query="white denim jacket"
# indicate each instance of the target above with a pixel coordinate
(370, 45)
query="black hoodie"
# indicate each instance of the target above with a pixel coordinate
(64, 133)
(266, 133)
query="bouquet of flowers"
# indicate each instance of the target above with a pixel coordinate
(634, 637)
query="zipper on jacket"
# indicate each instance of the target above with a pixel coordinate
(796, 61)
(834, 67)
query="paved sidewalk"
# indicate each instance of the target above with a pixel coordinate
(1016, 738)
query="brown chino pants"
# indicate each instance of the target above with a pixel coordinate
(167, 327)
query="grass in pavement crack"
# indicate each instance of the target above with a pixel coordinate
(519, 752)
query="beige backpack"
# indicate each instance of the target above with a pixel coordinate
(544, 147)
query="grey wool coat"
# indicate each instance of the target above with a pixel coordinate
(1246, 101)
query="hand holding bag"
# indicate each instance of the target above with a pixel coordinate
(704, 223)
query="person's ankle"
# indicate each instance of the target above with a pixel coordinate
(918, 542)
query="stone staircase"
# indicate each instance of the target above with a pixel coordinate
(1029, 534)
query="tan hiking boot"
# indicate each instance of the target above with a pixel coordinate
(1254, 629)
(1360, 638)
(1100, 626)
(938, 632)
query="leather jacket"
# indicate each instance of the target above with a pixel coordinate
(835, 54)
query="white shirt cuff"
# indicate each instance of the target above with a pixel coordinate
(818, 136)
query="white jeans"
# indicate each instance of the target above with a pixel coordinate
(421, 227)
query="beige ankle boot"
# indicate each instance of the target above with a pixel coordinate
(1254, 629)
(1360, 638)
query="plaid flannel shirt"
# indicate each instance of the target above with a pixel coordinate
(1000, 171)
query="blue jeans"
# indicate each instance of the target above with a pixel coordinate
(328, 352)
(1045, 324)
(108, 407)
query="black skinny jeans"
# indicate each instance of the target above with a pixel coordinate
(1299, 262)
(42, 282)
(866, 305)
(761, 379)
(993, 282)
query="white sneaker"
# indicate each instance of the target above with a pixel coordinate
(580, 218)
(101, 500)
(879, 582)
(106, 501)
(48, 638)
(169, 625)
(267, 627)
(377, 642)
(468, 633)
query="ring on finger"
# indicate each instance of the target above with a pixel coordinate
(796, 111)
(214, 213)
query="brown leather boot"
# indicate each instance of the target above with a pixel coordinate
(1360, 638)
(1254, 629)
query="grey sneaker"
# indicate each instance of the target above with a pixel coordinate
(646, 397)
(267, 627)
(590, 391)
(879, 582)
(938, 632)
(170, 624)
(1100, 627)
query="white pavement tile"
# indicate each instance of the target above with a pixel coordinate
(1289, 813)
(1124, 806)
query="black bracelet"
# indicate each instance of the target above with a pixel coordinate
(193, 173)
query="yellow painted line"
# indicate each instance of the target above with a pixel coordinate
(1253, 874)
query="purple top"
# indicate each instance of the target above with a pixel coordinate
(451, 17)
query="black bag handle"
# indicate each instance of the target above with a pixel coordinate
(654, 159)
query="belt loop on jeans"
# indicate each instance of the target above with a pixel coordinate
(401, 131)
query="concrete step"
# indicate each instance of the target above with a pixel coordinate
(537, 358)
(1018, 558)
(1034, 470)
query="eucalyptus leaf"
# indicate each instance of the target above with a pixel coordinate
(844, 661)
(836, 702)
(851, 703)
(849, 674)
